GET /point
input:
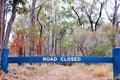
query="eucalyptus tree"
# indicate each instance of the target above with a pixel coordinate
(114, 18)
(8, 7)
(53, 17)
(88, 12)
(2, 23)
(14, 8)
(88, 15)
(31, 27)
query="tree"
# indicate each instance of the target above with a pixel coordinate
(115, 20)
(78, 17)
(9, 25)
(5, 7)
(2, 23)
(6, 39)
(109, 31)
(80, 37)
(40, 27)
(90, 10)
(31, 28)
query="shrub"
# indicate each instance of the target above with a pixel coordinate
(100, 51)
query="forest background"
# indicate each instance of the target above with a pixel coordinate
(59, 27)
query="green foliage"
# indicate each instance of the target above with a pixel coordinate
(68, 43)
(109, 30)
(66, 27)
(63, 8)
(68, 1)
(21, 10)
(98, 51)
(68, 14)
(103, 49)
(48, 6)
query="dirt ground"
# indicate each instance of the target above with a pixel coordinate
(60, 72)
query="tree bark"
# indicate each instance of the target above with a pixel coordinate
(79, 19)
(115, 14)
(2, 25)
(90, 19)
(117, 36)
(2, 22)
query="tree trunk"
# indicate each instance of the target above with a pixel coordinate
(51, 38)
(60, 48)
(56, 47)
(8, 31)
(2, 22)
(32, 25)
(9, 25)
(90, 20)
(56, 38)
(117, 37)
(100, 13)
(78, 17)
(115, 23)
(2, 25)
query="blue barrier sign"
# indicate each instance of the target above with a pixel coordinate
(46, 59)
(115, 60)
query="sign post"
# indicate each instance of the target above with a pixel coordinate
(4, 60)
(116, 62)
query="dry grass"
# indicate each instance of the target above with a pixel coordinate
(59, 72)
(99, 71)
(3, 76)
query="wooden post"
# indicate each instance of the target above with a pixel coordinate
(4, 60)
(116, 63)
